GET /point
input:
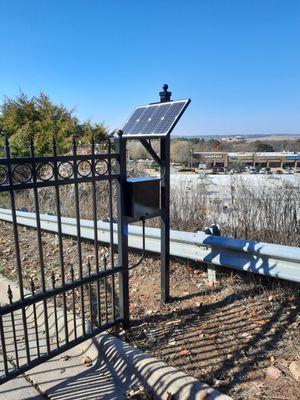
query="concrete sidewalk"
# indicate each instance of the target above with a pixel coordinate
(18, 388)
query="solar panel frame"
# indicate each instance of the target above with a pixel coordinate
(154, 120)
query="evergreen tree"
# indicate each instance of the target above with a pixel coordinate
(264, 147)
(38, 117)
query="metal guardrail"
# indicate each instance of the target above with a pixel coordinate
(273, 260)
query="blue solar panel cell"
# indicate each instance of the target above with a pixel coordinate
(157, 116)
(144, 120)
(169, 118)
(154, 119)
(131, 122)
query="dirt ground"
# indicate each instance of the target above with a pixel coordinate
(239, 335)
(228, 334)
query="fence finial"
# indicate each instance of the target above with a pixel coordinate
(31, 147)
(6, 141)
(74, 144)
(53, 145)
(53, 279)
(32, 286)
(72, 273)
(9, 293)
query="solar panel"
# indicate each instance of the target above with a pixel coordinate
(154, 120)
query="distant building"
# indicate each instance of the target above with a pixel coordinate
(243, 159)
(233, 139)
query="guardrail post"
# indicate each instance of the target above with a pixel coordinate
(211, 273)
(122, 231)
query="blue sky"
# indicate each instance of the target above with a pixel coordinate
(238, 60)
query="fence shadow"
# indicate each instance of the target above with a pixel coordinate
(253, 260)
(218, 343)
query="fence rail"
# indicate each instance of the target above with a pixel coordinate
(273, 260)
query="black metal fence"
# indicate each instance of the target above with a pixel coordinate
(60, 301)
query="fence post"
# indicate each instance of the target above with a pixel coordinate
(165, 219)
(122, 231)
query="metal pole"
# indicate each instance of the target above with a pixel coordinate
(122, 232)
(165, 219)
